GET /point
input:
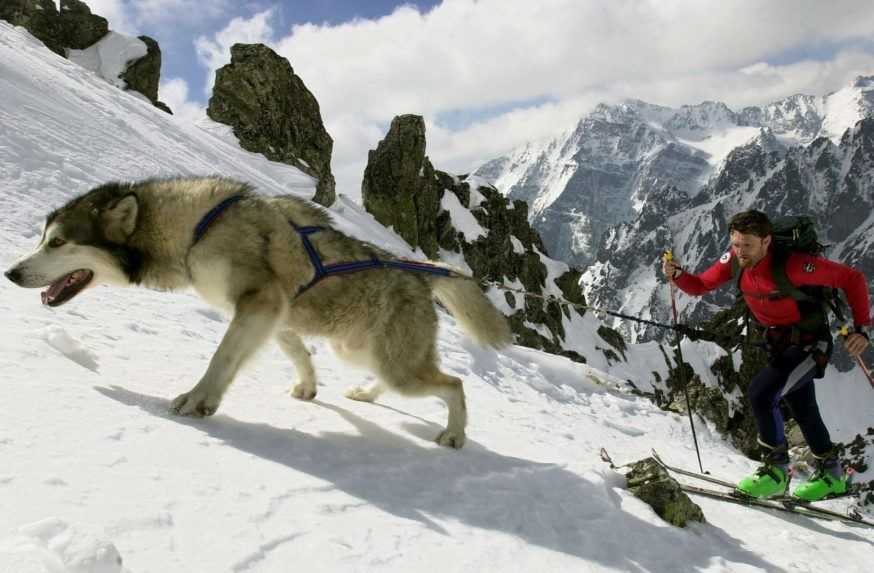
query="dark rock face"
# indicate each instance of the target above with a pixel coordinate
(402, 190)
(144, 75)
(652, 484)
(80, 27)
(273, 113)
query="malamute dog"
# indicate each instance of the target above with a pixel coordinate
(271, 261)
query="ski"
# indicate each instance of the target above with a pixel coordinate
(786, 502)
(690, 473)
(793, 507)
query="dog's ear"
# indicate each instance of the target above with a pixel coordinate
(120, 218)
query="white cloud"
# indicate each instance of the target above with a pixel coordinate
(467, 54)
(175, 94)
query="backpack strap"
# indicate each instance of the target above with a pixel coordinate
(737, 274)
(814, 309)
(784, 285)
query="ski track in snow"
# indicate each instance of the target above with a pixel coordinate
(98, 477)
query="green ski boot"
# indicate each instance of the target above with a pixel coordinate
(821, 485)
(768, 481)
(827, 481)
(771, 479)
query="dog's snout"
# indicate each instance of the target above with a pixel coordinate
(14, 275)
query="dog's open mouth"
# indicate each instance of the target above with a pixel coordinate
(66, 287)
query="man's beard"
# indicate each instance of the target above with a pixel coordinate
(748, 262)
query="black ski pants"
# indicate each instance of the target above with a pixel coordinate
(789, 376)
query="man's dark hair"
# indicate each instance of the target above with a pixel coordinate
(751, 223)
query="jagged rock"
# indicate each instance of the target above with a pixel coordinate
(405, 192)
(400, 188)
(144, 75)
(648, 481)
(80, 28)
(273, 113)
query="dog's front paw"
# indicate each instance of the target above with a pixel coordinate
(361, 394)
(196, 403)
(303, 391)
(451, 439)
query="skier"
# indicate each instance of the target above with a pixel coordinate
(798, 348)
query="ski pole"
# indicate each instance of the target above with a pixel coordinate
(669, 256)
(845, 332)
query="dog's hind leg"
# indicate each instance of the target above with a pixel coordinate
(433, 382)
(294, 348)
(451, 390)
(257, 314)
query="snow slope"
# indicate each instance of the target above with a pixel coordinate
(96, 476)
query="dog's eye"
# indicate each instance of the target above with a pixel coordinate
(56, 242)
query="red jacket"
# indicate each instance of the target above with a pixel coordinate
(801, 270)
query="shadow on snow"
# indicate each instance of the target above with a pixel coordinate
(540, 503)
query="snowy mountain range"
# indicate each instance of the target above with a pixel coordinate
(601, 173)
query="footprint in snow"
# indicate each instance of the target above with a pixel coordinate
(57, 338)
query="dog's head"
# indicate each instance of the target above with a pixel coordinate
(84, 243)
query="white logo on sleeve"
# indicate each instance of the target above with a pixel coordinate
(809, 267)
(725, 258)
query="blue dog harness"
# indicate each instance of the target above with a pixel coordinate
(211, 216)
(322, 271)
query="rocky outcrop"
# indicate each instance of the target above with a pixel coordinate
(80, 28)
(144, 75)
(76, 28)
(273, 113)
(400, 187)
(648, 481)
(403, 191)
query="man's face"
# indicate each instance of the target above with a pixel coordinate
(749, 249)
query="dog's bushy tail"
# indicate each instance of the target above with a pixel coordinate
(473, 310)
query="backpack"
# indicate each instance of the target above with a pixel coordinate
(798, 235)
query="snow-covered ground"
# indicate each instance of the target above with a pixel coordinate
(96, 476)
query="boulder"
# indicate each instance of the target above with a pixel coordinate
(650, 482)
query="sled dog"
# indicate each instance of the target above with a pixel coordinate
(258, 257)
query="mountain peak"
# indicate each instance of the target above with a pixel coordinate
(863, 82)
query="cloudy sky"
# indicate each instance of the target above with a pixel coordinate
(489, 75)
